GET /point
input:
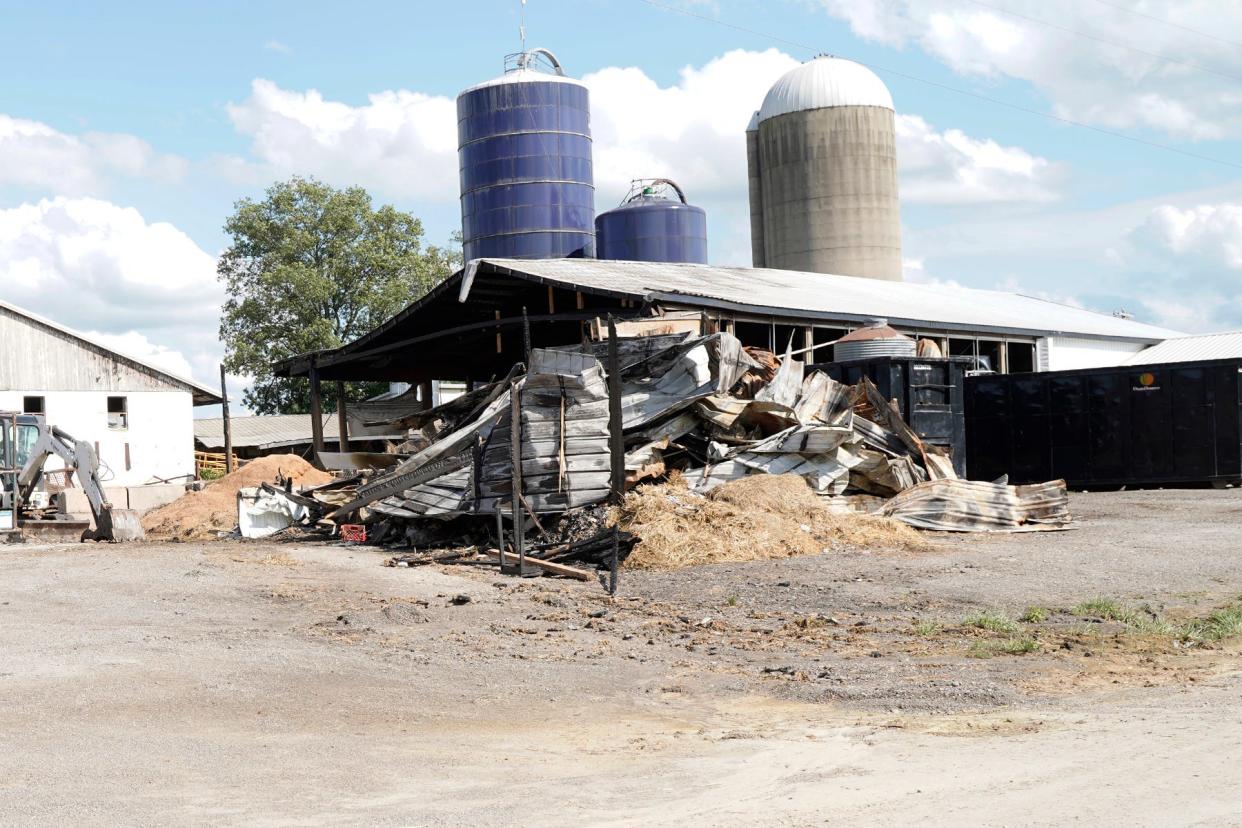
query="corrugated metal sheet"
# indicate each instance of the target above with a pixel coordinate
(1225, 345)
(40, 354)
(266, 432)
(802, 295)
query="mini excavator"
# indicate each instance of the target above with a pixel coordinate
(26, 443)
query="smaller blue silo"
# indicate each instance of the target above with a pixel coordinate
(649, 226)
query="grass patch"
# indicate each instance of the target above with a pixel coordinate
(1219, 624)
(1020, 645)
(732, 601)
(1223, 623)
(1107, 609)
(991, 620)
(925, 627)
(1033, 615)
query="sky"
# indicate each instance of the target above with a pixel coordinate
(1084, 151)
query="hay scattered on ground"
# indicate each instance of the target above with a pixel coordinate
(200, 515)
(753, 518)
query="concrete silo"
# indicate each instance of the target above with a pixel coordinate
(822, 161)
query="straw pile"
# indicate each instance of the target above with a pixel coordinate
(757, 517)
(200, 515)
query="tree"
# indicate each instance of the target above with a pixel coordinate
(313, 267)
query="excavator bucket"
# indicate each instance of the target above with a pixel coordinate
(116, 526)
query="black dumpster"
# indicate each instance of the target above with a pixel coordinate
(929, 394)
(1178, 422)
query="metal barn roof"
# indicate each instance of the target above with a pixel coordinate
(263, 431)
(1225, 345)
(801, 295)
(201, 394)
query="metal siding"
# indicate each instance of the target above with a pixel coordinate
(40, 359)
(1069, 353)
(524, 152)
(653, 230)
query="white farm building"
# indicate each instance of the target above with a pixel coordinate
(139, 417)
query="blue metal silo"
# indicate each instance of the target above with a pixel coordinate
(649, 226)
(524, 148)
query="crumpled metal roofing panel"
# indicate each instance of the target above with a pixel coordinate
(795, 293)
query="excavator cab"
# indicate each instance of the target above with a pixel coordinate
(19, 433)
(26, 442)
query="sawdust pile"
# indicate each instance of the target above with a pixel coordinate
(753, 518)
(200, 515)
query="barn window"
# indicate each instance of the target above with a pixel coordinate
(118, 413)
(33, 405)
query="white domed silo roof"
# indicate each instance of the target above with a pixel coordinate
(825, 82)
(754, 122)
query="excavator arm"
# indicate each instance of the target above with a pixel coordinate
(79, 456)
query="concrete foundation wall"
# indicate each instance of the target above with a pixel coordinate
(829, 192)
(139, 498)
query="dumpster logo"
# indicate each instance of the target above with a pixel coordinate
(1146, 382)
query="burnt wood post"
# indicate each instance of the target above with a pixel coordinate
(228, 424)
(526, 334)
(616, 441)
(316, 410)
(515, 458)
(342, 423)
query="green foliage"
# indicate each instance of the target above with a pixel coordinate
(312, 267)
(925, 627)
(993, 620)
(211, 474)
(1107, 609)
(1223, 623)
(1005, 646)
(1034, 615)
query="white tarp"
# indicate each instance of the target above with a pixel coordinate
(261, 513)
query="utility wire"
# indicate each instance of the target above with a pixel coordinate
(1162, 21)
(947, 88)
(1118, 44)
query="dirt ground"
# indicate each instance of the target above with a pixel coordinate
(306, 684)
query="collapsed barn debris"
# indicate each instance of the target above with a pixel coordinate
(546, 447)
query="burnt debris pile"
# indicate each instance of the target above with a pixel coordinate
(527, 466)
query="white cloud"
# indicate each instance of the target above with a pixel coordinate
(1189, 262)
(34, 156)
(404, 144)
(1208, 236)
(692, 131)
(397, 144)
(94, 266)
(951, 167)
(278, 47)
(1086, 79)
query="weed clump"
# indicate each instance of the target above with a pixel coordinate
(1106, 609)
(925, 627)
(1020, 645)
(1223, 623)
(1033, 615)
(991, 620)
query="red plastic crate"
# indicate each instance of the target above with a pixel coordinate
(353, 532)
